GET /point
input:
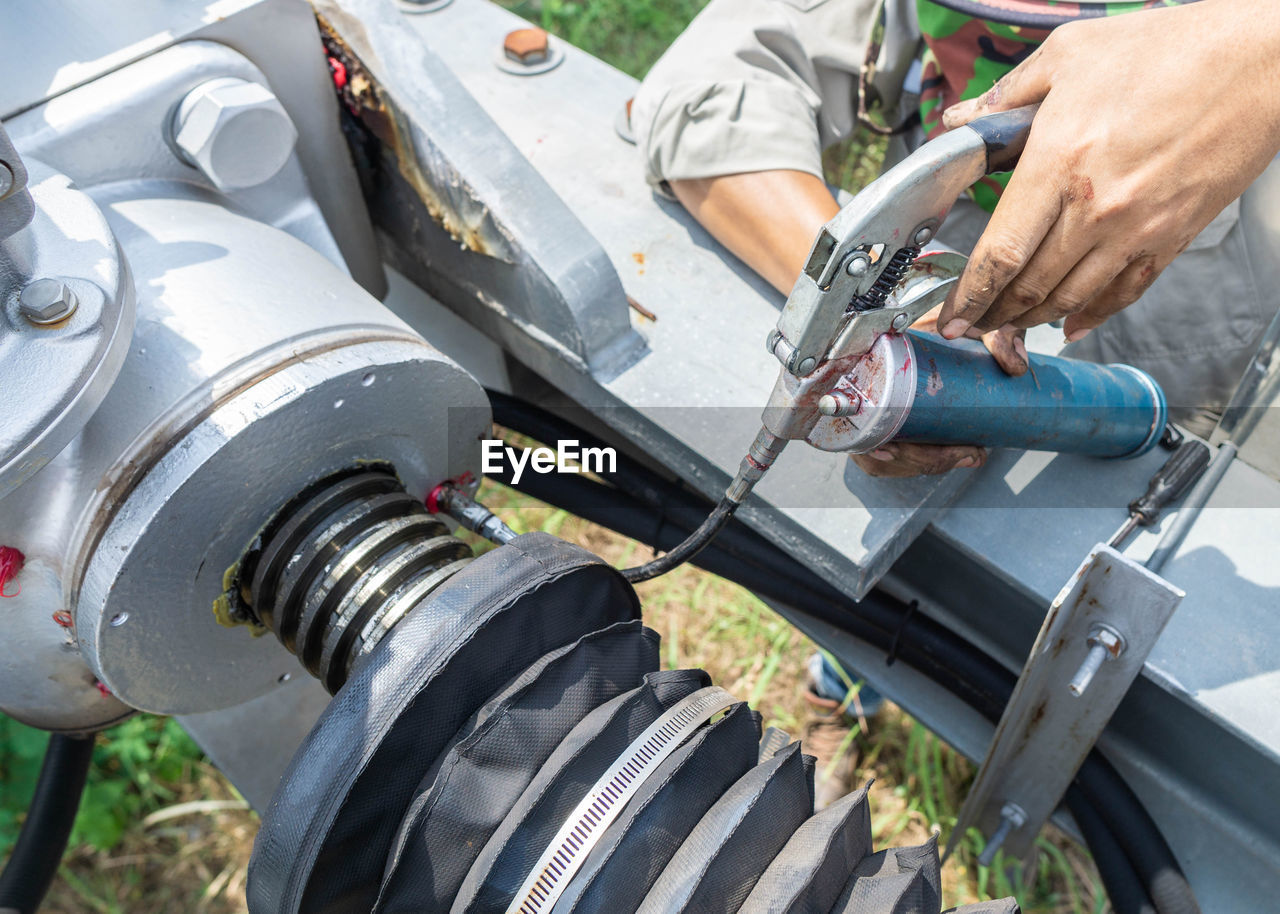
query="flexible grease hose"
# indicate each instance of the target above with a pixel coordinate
(763, 452)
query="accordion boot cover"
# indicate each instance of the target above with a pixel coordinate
(512, 746)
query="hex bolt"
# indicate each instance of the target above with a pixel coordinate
(1012, 817)
(47, 301)
(900, 321)
(923, 236)
(527, 46)
(838, 404)
(1105, 643)
(235, 131)
(6, 179)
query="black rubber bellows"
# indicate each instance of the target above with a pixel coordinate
(514, 721)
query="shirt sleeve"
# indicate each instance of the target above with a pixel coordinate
(753, 85)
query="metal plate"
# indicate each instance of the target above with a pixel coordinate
(1047, 730)
(693, 399)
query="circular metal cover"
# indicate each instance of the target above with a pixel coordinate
(55, 375)
(884, 381)
(144, 615)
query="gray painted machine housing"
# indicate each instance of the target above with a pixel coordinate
(1198, 736)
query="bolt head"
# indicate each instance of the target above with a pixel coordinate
(527, 46)
(236, 132)
(858, 265)
(923, 236)
(1107, 637)
(47, 301)
(900, 321)
(807, 365)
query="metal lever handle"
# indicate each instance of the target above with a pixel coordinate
(1004, 135)
(903, 207)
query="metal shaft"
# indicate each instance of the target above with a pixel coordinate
(343, 565)
(1093, 662)
(1012, 817)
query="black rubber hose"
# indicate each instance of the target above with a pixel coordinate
(1115, 803)
(985, 684)
(43, 839)
(1123, 887)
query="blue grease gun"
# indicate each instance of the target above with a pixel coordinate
(853, 377)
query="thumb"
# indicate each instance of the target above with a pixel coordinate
(1026, 84)
(1008, 347)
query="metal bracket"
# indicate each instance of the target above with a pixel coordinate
(1051, 723)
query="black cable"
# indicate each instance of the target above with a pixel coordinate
(932, 649)
(1123, 888)
(43, 839)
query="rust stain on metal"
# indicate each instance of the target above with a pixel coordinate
(641, 309)
(367, 101)
(1038, 714)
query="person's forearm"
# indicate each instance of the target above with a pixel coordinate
(768, 218)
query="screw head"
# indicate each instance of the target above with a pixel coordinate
(236, 132)
(527, 46)
(858, 265)
(923, 236)
(900, 321)
(47, 301)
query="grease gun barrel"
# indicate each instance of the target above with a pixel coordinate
(918, 387)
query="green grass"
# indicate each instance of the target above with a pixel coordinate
(134, 764)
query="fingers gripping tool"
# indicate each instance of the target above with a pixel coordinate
(854, 377)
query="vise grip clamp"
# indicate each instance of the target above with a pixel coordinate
(861, 279)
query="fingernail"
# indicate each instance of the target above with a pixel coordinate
(1076, 336)
(955, 328)
(958, 113)
(882, 454)
(1021, 349)
(965, 462)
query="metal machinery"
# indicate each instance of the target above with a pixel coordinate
(265, 269)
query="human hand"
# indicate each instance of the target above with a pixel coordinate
(1150, 123)
(905, 458)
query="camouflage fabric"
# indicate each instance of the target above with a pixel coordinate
(969, 44)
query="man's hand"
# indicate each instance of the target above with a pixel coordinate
(1149, 125)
